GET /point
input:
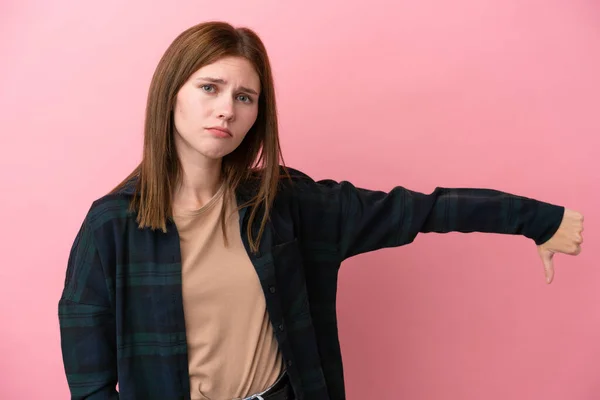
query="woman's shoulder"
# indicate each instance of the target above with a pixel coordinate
(301, 182)
(114, 205)
(291, 180)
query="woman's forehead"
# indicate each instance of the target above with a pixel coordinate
(230, 70)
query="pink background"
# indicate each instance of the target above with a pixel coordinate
(481, 93)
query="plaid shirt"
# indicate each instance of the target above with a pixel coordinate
(121, 311)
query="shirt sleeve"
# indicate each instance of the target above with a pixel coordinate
(357, 220)
(87, 323)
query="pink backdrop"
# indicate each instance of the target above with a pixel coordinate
(483, 93)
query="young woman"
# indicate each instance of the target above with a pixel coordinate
(211, 271)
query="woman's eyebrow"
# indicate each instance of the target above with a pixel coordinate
(224, 82)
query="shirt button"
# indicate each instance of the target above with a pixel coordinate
(272, 289)
(280, 327)
(289, 363)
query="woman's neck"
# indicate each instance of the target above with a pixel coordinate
(198, 184)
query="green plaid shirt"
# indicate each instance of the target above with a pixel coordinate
(121, 311)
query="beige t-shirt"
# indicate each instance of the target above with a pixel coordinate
(232, 349)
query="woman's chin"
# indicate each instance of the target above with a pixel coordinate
(214, 153)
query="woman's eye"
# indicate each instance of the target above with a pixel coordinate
(207, 88)
(244, 98)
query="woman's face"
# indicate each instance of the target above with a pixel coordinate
(215, 109)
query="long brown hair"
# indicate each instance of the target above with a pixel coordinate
(259, 155)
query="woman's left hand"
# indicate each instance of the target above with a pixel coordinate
(567, 240)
